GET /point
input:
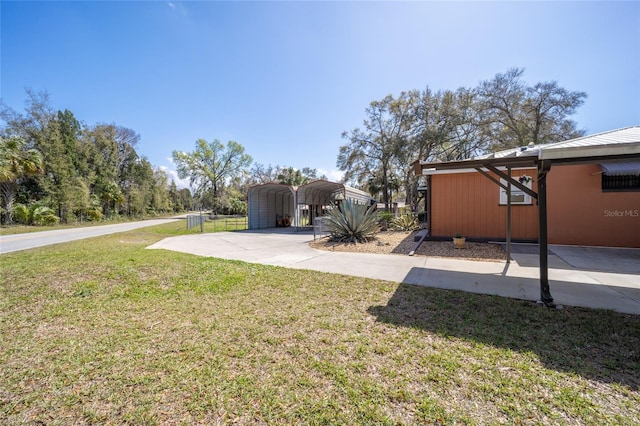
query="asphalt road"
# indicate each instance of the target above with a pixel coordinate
(16, 242)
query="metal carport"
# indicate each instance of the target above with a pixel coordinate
(267, 202)
(315, 197)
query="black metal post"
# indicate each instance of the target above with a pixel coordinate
(509, 217)
(543, 240)
(427, 205)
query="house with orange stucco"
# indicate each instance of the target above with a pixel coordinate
(591, 193)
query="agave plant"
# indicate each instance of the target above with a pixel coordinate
(405, 222)
(352, 222)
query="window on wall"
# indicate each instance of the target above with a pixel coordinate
(518, 197)
(620, 183)
(620, 176)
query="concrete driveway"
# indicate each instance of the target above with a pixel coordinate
(579, 276)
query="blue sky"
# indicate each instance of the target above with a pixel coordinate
(285, 79)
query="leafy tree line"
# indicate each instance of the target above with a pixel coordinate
(51, 162)
(221, 176)
(444, 125)
(285, 175)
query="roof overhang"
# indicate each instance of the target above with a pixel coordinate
(591, 154)
(506, 162)
(622, 144)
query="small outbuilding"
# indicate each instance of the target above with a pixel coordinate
(274, 205)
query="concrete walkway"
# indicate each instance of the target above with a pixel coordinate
(579, 276)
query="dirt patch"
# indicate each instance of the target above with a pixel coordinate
(398, 242)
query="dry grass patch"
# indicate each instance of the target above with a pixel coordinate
(155, 337)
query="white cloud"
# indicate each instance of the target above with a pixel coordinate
(333, 175)
(178, 7)
(173, 175)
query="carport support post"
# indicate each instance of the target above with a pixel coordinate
(543, 242)
(509, 217)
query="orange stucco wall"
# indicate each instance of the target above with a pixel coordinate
(469, 203)
(579, 213)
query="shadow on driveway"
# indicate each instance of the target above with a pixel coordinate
(599, 345)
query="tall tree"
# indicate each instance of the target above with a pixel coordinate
(160, 202)
(515, 114)
(263, 174)
(16, 161)
(59, 143)
(285, 174)
(373, 149)
(211, 165)
(312, 174)
(186, 199)
(138, 196)
(174, 197)
(432, 120)
(85, 168)
(291, 176)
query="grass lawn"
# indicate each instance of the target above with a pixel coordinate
(221, 223)
(102, 331)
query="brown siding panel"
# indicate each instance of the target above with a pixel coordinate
(469, 203)
(581, 214)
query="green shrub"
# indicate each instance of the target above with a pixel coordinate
(35, 214)
(405, 222)
(94, 214)
(352, 222)
(21, 214)
(385, 219)
(43, 215)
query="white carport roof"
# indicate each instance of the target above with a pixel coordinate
(324, 192)
(272, 188)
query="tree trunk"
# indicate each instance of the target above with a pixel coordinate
(9, 196)
(385, 186)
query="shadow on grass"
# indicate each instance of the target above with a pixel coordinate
(596, 344)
